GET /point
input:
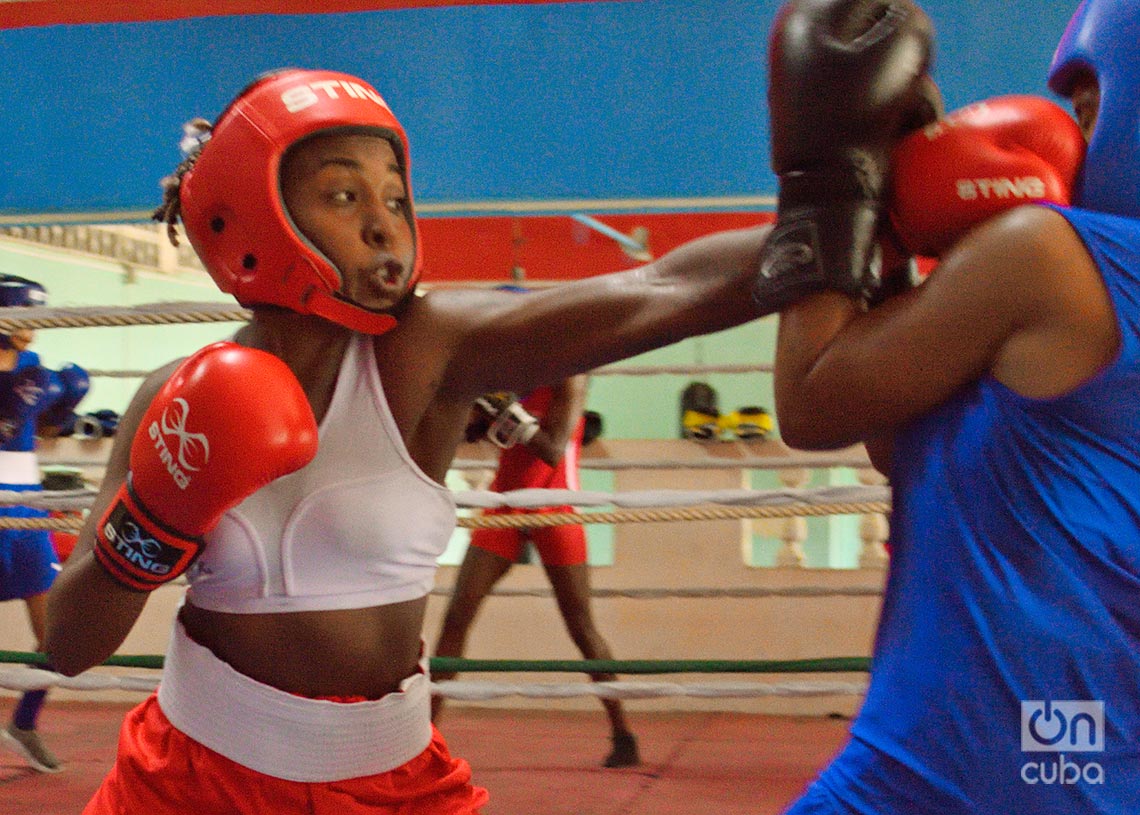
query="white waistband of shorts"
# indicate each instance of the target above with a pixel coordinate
(288, 736)
(19, 468)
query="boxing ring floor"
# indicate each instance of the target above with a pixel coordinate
(534, 762)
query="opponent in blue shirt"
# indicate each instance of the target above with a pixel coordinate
(1002, 396)
(34, 400)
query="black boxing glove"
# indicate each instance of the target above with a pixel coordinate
(100, 424)
(847, 79)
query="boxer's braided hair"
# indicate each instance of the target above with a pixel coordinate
(196, 133)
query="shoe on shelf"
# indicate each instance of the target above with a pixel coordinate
(624, 753)
(749, 423)
(27, 745)
(699, 412)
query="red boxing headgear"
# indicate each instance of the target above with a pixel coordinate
(231, 203)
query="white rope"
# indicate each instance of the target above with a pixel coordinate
(27, 679)
(166, 313)
(609, 371)
(483, 691)
(737, 592)
(37, 317)
(61, 500)
(113, 374)
(856, 459)
(538, 498)
(51, 500)
(656, 370)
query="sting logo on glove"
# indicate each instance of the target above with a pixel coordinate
(193, 448)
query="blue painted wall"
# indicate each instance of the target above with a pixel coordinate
(607, 100)
(663, 98)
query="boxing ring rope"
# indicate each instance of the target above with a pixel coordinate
(799, 460)
(652, 506)
(657, 370)
(790, 462)
(683, 370)
(619, 666)
(698, 513)
(35, 678)
(38, 317)
(804, 499)
(72, 524)
(175, 312)
(58, 500)
(210, 311)
(466, 690)
(734, 593)
(637, 507)
(788, 503)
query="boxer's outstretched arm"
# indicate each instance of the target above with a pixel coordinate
(501, 341)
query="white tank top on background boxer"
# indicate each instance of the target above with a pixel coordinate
(360, 525)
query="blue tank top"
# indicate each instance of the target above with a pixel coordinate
(22, 443)
(1014, 581)
(25, 438)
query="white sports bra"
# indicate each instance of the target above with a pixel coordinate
(360, 525)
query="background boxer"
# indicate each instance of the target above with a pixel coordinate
(33, 401)
(315, 583)
(1003, 397)
(548, 459)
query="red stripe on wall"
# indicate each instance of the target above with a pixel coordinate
(555, 247)
(28, 13)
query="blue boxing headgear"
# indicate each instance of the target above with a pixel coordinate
(1102, 39)
(19, 291)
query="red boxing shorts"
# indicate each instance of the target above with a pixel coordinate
(556, 545)
(161, 771)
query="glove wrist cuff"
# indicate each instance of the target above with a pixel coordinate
(136, 550)
(797, 260)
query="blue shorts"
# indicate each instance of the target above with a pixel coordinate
(28, 563)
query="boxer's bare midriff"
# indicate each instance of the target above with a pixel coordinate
(348, 652)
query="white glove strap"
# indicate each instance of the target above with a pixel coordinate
(514, 425)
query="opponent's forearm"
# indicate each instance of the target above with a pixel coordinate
(808, 387)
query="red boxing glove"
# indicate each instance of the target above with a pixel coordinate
(981, 160)
(227, 422)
